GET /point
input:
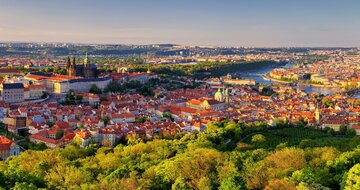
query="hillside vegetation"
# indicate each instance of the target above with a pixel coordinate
(228, 156)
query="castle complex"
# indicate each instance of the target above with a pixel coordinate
(79, 78)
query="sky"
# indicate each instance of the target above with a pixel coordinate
(255, 23)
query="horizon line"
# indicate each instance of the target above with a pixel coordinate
(175, 44)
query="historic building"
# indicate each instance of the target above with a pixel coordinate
(8, 148)
(50, 138)
(85, 70)
(12, 92)
(80, 85)
(80, 78)
(222, 96)
(123, 76)
(58, 84)
(205, 104)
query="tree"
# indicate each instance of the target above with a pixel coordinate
(320, 156)
(280, 184)
(281, 146)
(234, 182)
(80, 125)
(329, 130)
(59, 134)
(352, 178)
(258, 139)
(278, 164)
(106, 143)
(67, 177)
(192, 161)
(204, 183)
(343, 129)
(327, 102)
(47, 69)
(106, 120)
(79, 99)
(313, 186)
(2, 178)
(197, 166)
(305, 175)
(350, 132)
(180, 184)
(14, 175)
(95, 89)
(133, 139)
(141, 120)
(70, 98)
(24, 185)
(49, 123)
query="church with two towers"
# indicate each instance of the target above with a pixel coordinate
(85, 70)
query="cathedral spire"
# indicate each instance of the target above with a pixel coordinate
(68, 62)
(74, 61)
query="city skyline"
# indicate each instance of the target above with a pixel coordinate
(227, 23)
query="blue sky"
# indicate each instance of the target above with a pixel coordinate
(261, 23)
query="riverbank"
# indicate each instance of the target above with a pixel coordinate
(319, 85)
(299, 83)
(266, 77)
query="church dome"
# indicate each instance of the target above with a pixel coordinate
(219, 96)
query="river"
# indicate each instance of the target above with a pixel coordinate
(256, 75)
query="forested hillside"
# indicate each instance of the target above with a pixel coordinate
(227, 156)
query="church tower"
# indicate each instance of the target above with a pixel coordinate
(87, 69)
(317, 115)
(227, 100)
(71, 67)
(68, 66)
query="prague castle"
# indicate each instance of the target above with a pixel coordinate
(79, 78)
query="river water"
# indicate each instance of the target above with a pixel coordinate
(256, 75)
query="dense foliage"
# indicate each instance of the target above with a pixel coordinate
(228, 155)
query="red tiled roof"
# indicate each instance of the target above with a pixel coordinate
(5, 143)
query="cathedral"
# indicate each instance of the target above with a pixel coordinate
(85, 70)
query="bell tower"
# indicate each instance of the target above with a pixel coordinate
(72, 67)
(227, 100)
(317, 115)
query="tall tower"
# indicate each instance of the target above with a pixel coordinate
(72, 68)
(87, 69)
(227, 100)
(68, 63)
(317, 115)
(69, 67)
